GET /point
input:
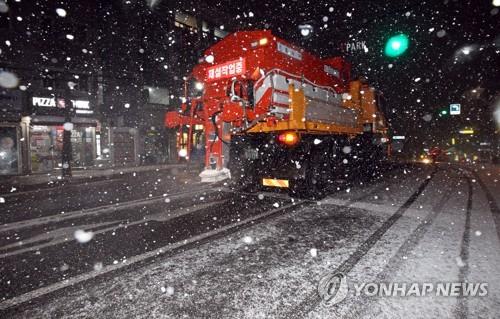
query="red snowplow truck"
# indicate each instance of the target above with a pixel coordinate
(274, 115)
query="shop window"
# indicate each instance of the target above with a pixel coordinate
(47, 144)
(9, 151)
(46, 148)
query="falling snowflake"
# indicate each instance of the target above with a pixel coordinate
(98, 266)
(8, 80)
(441, 33)
(83, 236)
(61, 12)
(68, 126)
(64, 267)
(168, 290)
(247, 240)
(4, 8)
(427, 117)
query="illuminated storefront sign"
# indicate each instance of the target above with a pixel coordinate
(226, 70)
(80, 106)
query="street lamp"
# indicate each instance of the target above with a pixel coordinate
(306, 30)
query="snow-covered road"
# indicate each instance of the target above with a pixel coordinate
(419, 225)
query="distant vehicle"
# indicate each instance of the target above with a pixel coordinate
(278, 116)
(435, 153)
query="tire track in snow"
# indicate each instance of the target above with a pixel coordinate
(495, 210)
(462, 309)
(312, 300)
(408, 246)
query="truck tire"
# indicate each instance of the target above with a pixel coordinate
(312, 185)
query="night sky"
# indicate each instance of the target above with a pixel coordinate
(453, 55)
(433, 73)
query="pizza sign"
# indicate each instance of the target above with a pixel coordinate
(226, 70)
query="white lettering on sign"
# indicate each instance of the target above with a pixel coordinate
(81, 104)
(226, 70)
(44, 101)
(329, 70)
(50, 102)
(355, 46)
(289, 51)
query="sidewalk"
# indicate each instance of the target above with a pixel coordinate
(47, 180)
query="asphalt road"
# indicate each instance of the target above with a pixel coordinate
(65, 251)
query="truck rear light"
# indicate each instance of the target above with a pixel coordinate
(288, 138)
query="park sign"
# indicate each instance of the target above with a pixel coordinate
(354, 46)
(455, 109)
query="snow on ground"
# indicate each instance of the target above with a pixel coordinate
(269, 269)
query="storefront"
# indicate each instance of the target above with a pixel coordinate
(47, 126)
(46, 144)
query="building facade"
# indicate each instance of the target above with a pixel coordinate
(108, 80)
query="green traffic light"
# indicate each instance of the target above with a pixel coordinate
(396, 45)
(444, 112)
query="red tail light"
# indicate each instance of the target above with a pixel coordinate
(288, 138)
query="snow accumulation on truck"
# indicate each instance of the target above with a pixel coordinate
(270, 114)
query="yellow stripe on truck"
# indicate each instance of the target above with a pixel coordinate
(272, 182)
